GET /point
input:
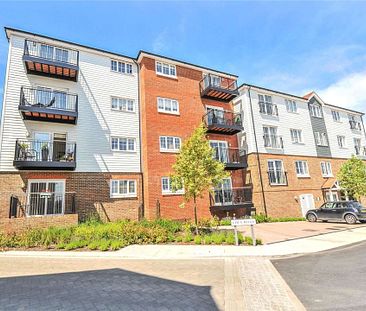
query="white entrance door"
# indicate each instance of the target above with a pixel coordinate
(307, 203)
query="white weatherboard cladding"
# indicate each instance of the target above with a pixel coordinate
(285, 121)
(96, 121)
(342, 128)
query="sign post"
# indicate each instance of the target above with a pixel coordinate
(244, 222)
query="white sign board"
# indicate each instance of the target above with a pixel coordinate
(243, 222)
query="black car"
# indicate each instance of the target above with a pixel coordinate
(349, 211)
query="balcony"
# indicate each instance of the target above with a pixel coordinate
(230, 199)
(218, 88)
(268, 109)
(49, 106)
(42, 203)
(45, 155)
(223, 122)
(354, 125)
(51, 61)
(273, 142)
(277, 178)
(233, 158)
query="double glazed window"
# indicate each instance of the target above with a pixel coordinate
(166, 69)
(321, 139)
(291, 105)
(341, 141)
(326, 168)
(302, 169)
(336, 116)
(167, 105)
(121, 67)
(276, 173)
(221, 151)
(50, 52)
(166, 187)
(357, 143)
(122, 188)
(123, 144)
(271, 139)
(123, 104)
(355, 125)
(315, 110)
(169, 144)
(296, 136)
(266, 106)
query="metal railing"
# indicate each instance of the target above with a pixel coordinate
(42, 98)
(212, 81)
(273, 141)
(277, 177)
(229, 155)
(268, 109)
(360, 150)
(44, 203)
(222, 117)
(45, 151)
(355, 125)
(51, 52)
(230, 196)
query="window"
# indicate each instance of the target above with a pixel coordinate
(121, 67)
(123, 104)
(341, 141)
(266, 106)
(167, 105)
(123, 144)
(291, 105)
(302, 169)
(326, 168)
(169, 144)
(355, 125)
(315, 110)
(122, 188)
(166, 69)
(271, 139)
(357, 143)
(336, 116)
(296, 136)
(321, 139)
(166, 187)
(276, 173)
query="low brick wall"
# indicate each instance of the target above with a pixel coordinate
(25, 223)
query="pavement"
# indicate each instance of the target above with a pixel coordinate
(339, 276)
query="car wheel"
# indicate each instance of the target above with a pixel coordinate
(311, 217)
(350, 219)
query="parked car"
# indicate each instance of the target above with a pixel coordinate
(348, 211)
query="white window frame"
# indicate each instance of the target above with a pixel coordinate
(128, 140)
(117, 194)
(266, 102)
(336, 116)
(282, 170)
(296, 136)
(166, 149)
(291, 106)
(163, 103)
(120, 104)
(326, 168)
(321, 139)
(169, 190)
(166, 65)
(316, 111)
(120, 65)
(302, 168)
(341, 140)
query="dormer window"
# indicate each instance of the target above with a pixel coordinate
(166, 69)
(315, 110)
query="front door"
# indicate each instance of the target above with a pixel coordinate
(307, 203)
(46, 198)
(59, 147)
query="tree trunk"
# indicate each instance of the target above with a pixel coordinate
(195, 214)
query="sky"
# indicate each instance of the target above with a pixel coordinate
(289, 46)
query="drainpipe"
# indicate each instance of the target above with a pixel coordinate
(257, 153)
(140, 141)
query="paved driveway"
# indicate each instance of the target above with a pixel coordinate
(331, 280)
(282, 231)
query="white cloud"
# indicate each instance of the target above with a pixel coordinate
(348, 92)
(160, 43)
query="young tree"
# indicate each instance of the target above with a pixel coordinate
(352, 177)
(196, 170)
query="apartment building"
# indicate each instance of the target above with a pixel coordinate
(69, 141)
(175, 98)
(295, 147)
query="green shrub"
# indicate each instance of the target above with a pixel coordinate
(117, 244)
(104, 245)
(197, 239)
(249, 241)
(218, 238)
(75, 244)
(225, 222)
(207, 239)
(93, 245)
(230, 238)
(60, 245)
(178, 238)
(188, 237)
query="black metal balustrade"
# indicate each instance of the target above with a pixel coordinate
(233, 158)
(277, 177)
(218, 88)
(268, 109)
(273, 141)
(223, 122)
(42, 204)
(230, 198)
(52, 61)
(51, 155)
(354, 125)
(47, 105)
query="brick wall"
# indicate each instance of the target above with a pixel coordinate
(185, 89)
